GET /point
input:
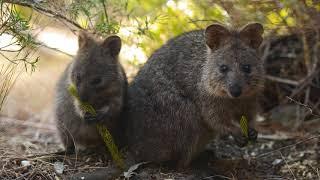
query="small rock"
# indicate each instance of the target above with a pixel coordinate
(130, 173)
(25, 163)
(260, 118)
(58, 167)
(276, 162)
(253, 153)
(301, 154)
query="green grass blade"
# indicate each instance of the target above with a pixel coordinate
(113, 149)
(244, 126)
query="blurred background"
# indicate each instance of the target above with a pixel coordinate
(38, 38)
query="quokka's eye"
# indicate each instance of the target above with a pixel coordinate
(223, 68)
(96, 81)
(246, 68)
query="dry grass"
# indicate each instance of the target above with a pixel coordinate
(295, 156)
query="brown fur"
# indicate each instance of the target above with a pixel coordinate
(181, 99)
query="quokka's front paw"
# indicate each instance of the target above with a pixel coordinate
(241, 140)
(252, 134)
(90, 118)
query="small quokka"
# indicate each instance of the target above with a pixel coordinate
(100, 81)
(193, 89)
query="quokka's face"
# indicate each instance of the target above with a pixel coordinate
(234, 71)
(96, 72)
(95, 85)
(233, 68)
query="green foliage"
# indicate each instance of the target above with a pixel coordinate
(146, 25)
(14, 23)
(18, 50)
(244, 126)
(102, 16)
(113, 149)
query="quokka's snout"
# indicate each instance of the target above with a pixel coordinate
(235, 90)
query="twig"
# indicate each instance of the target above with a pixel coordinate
(285, 147)
(276, 136)
(105, 11)
(282, 80)
(305, 82)
(284, 159)
(23, 176)
(194, 21)
(306, 53)
(10, 44)
(217, 176)
(57, 50)
(307, 96)
(7, 58)
(266, 51)
(42, 10)
(315, 51)
(304, 105)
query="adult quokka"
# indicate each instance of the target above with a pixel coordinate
(193, 89)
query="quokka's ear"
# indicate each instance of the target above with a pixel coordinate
(84, 40)
(251, 34)
(113, 44)
(216, 35)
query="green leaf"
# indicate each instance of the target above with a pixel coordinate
(73, 91)
(244, 126)
(113, 149)
(84, 106)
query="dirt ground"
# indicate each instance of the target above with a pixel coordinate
(26, 148)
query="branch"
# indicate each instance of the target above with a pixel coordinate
(289, 146)
(44, 11)
(55, 49)
(282, 80)
(304, 82)
(105, 11)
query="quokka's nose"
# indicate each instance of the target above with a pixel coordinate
(235, 90)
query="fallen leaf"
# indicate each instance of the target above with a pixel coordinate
(58, 167)
(128, 174)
